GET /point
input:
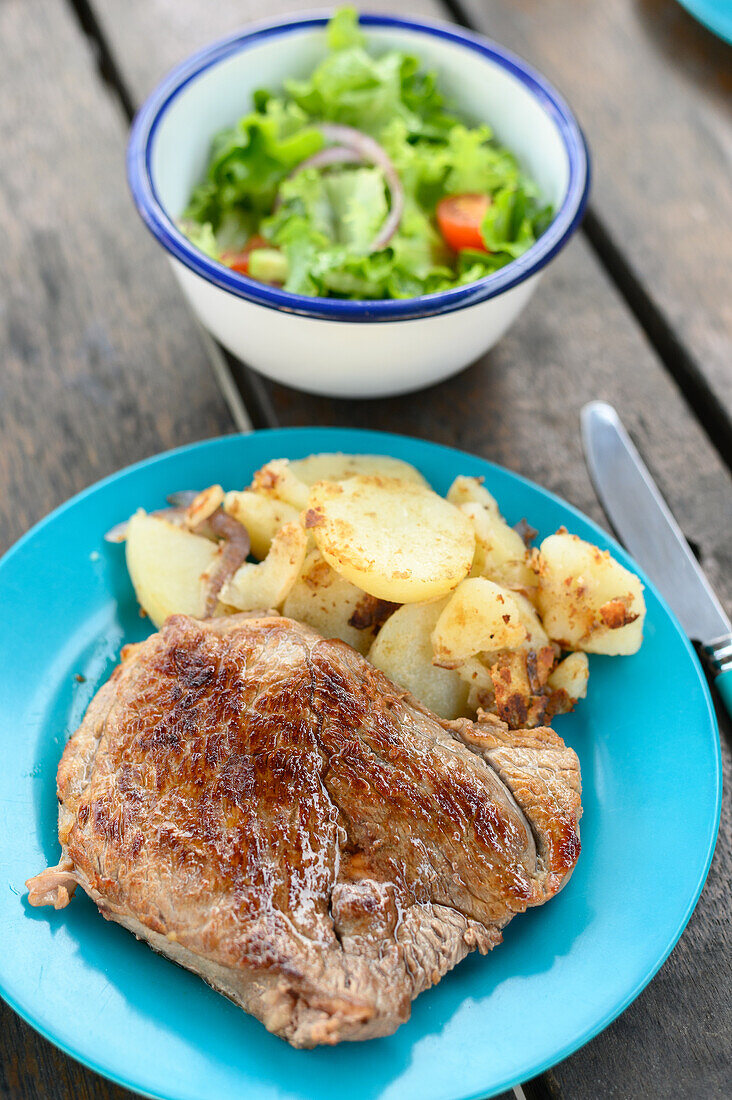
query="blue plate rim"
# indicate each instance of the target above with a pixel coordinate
(589, 1033)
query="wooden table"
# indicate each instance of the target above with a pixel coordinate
(102, 364)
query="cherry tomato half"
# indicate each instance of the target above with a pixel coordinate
(460, 218)
(239, 261)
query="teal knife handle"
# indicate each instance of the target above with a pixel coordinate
(719, 653)
(723, 684)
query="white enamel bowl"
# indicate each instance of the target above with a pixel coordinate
(347, 348)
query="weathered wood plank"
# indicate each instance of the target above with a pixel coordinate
(101, 361)
(517, 400)
(520, 406)
(171, 31)
(652, 90)
(32, 1069)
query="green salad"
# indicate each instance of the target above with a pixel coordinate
(361, 182)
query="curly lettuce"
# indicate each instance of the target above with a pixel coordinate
(323, 219)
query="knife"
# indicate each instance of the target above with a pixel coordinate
(643, 522)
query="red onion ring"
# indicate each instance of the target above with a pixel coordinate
(351, 146)
(235, 549)
(333, 154)
(232, 536)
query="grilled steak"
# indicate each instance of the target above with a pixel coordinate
(267, 809)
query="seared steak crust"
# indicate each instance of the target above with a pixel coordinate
(268, 809)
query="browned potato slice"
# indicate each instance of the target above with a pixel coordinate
(265, 586)
(586, 599)
(480, 617)
(395, 540)
(477, 675)
(262, 516)
(338, 467)
(167, 566)
(403, 650)
(516, 701)
(332, 605)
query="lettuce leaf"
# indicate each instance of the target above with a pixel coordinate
(343, 30)
(203, 237)
(250, 160)
(347, 206)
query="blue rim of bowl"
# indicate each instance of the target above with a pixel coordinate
(144, 193)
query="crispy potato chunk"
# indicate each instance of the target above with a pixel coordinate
(168, 566)
(571, 676)
(338, 467)
(586, 599)
(266, 585)
(403, 650)
(480, 617)
(471, 490)
(263, 516)
(333, 606)
(513, 684)
(517, 702)
(394, 539)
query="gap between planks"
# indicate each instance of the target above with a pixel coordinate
(225, 379)
(676, 359)
(241, 389)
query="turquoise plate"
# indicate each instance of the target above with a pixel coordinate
(716, 15)
(646, 738)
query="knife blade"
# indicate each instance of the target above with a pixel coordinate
(645, 525)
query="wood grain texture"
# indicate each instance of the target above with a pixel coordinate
(651, 87)
(520, 407)
(32, 1069)
(101, 362)
(171, 30)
